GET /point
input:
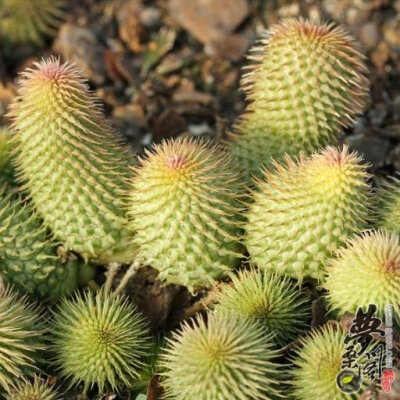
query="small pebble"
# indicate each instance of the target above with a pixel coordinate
(150, 17)
(373, 148)
(369, 35)
(378, 114)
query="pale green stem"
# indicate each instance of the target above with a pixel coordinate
(128, 275)
(205, 302)
(112, 270)
(2, 287)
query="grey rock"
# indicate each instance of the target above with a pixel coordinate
(80, 46)
(378, 114)
(373, 149)
(370, 35)
(150, 17)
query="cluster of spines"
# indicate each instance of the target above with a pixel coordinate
(317, 363)
(21, 331)
(306, 81)
(366, 271)
(185, 209)
(229, 357)
(305, 210)
(150, 368)
(267, 298)
(29, 258)
(36, 390)
(68, 159)
(99, 340)
(29, 22)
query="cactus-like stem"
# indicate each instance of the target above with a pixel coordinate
(27, 21)
(21, 331)
(269, 299)
(73, 166)
(185, 209)
(37, 390)
(99, 339)
(371, 264)
(228, 358)
(304, 211)
(29, 258)
(317, 364)
(306, 81)
(388, 206)
(7, 173)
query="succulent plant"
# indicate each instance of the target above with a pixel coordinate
(267, 298)
(366, 271)
(74, 167)
(304, 211)
(28, 258)
(184, 206)
(99, 339)
(307, 81)
(28, 21)
(388, 206)
(318, 362)
(21, 330)
(6, 168)
(228, 358)
(150, 368)
(36, 390)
